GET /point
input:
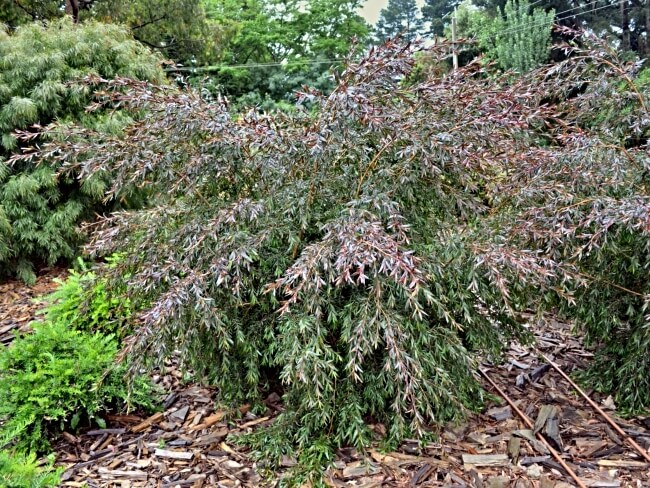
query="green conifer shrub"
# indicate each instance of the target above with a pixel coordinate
(57, 378)
(519, 38)
(83, 303)
(360, 254)
(40, 81)
(23, 471)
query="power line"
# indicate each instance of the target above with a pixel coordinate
(512, 31)
(524, 27)
(254, 65)
(558, 17)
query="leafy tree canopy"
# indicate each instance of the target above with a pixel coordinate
(306, 37)
(177, 28)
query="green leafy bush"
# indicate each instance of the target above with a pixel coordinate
(83, 303)
(57, 377)
(40, 81)
(359, 254)
(22, 471)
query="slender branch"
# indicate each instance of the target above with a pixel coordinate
(151, 21)
(529, 423)
(147, 43)
(24, 9)
(372, 164)
(611, 422)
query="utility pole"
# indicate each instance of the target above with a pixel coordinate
(453, 40)
(625, 25)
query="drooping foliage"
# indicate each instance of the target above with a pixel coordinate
(354, 254)
(176, 28)
(40, 81)
(594, 213)
(306, 248)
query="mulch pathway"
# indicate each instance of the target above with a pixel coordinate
(190, 443)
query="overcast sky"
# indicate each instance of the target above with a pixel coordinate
(370, 10)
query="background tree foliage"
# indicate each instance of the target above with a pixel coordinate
(400, 17)
(437, 13)
(177, 28)
(626, 21)
(40, 81)
(518, 39)
(354, 254)
(269, 49)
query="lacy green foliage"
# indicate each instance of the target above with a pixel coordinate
(57, 377)
(23, 471)
(82, 302)
(352, 254)
(40, 72)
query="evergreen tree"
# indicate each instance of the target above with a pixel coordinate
(518, 39)
(627, 21)
(40, 71)
(437, 12)
(400, 17)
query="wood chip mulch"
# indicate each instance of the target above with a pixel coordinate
(18, 306)
(190, 443)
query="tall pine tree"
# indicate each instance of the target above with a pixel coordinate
(400, 17)
(435, 11)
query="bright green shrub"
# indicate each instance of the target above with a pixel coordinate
(57, 377)
(40, 72)
(22, 471)
(82, 302)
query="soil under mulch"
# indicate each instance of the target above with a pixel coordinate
(190, 444)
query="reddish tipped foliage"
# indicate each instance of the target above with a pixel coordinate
(356, 249)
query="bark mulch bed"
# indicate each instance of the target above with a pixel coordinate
(18, 306)
(190, 443)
